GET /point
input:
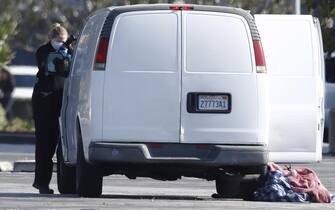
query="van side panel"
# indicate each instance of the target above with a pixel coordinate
(320, 65)
(218, 58)
(295, 91)
(142, 79)
(77, 90)
(263, 114)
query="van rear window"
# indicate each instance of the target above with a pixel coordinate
(217, 43)
(145, 42)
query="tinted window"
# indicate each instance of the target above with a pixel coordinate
(217, 43)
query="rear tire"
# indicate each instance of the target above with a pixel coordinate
(88, 176)
(66, 175)
(228, 186)
(238, 186)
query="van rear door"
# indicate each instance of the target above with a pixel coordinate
(294, 55)
(143, 77)
(219, 85)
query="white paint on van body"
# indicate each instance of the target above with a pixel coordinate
(296, 86)
(218, 57)
(141, 97)
(78, 89)
(148, 77)
(142, 79)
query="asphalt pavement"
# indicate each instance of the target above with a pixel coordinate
(142, 193)
(119, 192)
(16, 147)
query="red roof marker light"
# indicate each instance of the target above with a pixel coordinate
(181, 7)
(174, 7)
(187, 8)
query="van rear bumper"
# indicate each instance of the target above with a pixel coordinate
(192, 154)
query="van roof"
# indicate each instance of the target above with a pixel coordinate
(115, 11)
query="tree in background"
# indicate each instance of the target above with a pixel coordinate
(35, 17)
(325, 11)
(7, 31)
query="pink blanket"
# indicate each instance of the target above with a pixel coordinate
(304, 180)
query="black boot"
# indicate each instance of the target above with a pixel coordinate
(43, 189)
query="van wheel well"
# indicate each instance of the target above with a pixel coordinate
(88, 177)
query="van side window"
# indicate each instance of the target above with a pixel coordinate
(145, 42)
(87, 43)
(217, 43)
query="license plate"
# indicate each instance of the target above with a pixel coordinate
(213, 103)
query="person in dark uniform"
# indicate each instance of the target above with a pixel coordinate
(47, 102)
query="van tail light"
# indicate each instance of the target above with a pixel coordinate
(187, 8)
(174, 7)
(259, 55)
(101, 56)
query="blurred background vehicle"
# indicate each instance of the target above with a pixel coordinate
(25, 78)
(22, 121)
(329, 90)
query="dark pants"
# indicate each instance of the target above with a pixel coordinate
(47, 136)
(46, 109)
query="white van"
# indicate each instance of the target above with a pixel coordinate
(164, 91)
(295, 63)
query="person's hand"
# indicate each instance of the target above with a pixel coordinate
(61, 65)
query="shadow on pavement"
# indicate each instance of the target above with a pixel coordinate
(153, 197)
(135, 197)
(35, 195)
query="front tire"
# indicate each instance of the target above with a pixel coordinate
(66, 175)
(88, 176)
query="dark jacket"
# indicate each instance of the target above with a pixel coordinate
(48, 91)
(46, 81)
